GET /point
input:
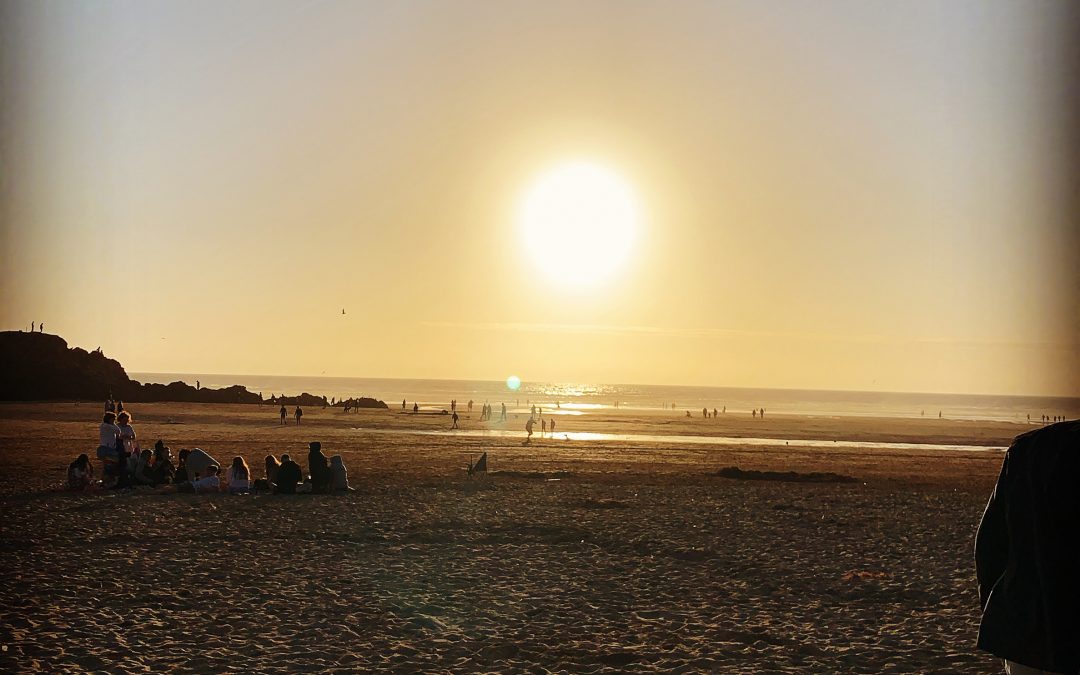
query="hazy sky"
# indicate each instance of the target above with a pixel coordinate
(842, 195)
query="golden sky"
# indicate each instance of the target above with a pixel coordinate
(840, 195)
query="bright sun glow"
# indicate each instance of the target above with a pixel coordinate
(579, 221)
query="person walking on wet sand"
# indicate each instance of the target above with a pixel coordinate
(502, 417)
(543, 427)
(528, 430)
(284, 413)
(298, 413)
(455, 419)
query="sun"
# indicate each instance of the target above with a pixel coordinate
(579, 221)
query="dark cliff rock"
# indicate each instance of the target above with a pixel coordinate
(362, 402)
(36, 366)
(41, 367)
(303, 400)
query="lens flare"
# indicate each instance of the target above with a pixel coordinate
(513, 383)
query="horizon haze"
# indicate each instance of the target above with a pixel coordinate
(832, 196)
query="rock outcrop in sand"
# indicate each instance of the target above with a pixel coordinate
(41, 367)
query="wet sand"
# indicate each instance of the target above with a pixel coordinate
(569, 557)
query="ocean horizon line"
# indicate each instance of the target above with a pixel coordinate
(567, 383)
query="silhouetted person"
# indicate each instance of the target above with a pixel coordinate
(455, 419)
(543, 427)
(288, 476)
(753, 413)
(551, 425)
(32, 326)
(271, 467)
(415, 407)
(402, 404)
(41, 327)
(714, 412)
(162, 470)
(298, 413)
(1026, 558)
(705, 413)
(181, 475)
(502, 417)
(80, 475)
(528, 429)
(283, 413)
(339, 475)
(319, 467)
(198, 385)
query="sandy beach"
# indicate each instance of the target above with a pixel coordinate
(570, 556)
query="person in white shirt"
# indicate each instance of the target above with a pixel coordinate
(107, 452)
(238, 477)
(198, 460)
(129, 447)
(108, 434)
(209, 483)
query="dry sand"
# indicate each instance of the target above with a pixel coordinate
(570, 557)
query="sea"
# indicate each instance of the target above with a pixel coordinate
(584, 399)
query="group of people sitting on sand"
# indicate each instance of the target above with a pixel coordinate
(126, 465)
